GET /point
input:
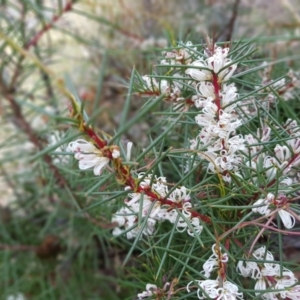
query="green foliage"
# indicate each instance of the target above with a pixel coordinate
(55, 220)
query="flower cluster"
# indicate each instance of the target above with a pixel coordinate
(269, 276)
(218, 119)
(173, 90)
(170, 91)
(214, 63)
(221, 114)
(182, 55)
(219, 288)
(283, 161)
(153, 290)
(206, 76)
(285, 87)
(141, 212)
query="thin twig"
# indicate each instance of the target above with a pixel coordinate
(48, 26)
(230, 26)
(260, 234)
(18, 247)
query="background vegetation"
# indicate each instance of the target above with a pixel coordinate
(55, 232)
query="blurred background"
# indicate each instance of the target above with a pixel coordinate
(51, 246)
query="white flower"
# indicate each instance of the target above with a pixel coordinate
(189, 223)
(228, 291)
(209, 266)
(283, 153)
(221, 64)
(225, 162)
(200, 71)
(269, 296)
(174, 216)
(209, 286)
(262, 285)
(213, 262)
(205, 120)
(254, 147)
(158, 183)
(287, 218)
(206, 90)
(235, 143)
(270, 269)
(295, 145)
(127, 221)
(285, 182)
(269, 276)
(229, 94)
(291, 126)
(249, 269)
(217, 63)
(227, 73)
(273, 166)
(285, 281)
(257, 269)
(261, 254)
(88, 155)
(152, 85)
(180, 195)
(262, 209)
(196, 227)
(179, 56)
(150, 291)
(293, 293)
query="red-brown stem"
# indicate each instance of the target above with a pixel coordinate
(171, 203)
(149, 93)
(132, 183)
(48, 26)
(217, 88)
(227, 244)
(238, 243)
(260, 234)
(91, 133)
(292, 160)
(18, 247)
(273, 228)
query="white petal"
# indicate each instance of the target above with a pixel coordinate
(151, 287)
(128, 152)
(103, 161)
(229, 72)
(260, 285)
(287, 219)
(263, 209)
(87, 161)
(81, 145)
